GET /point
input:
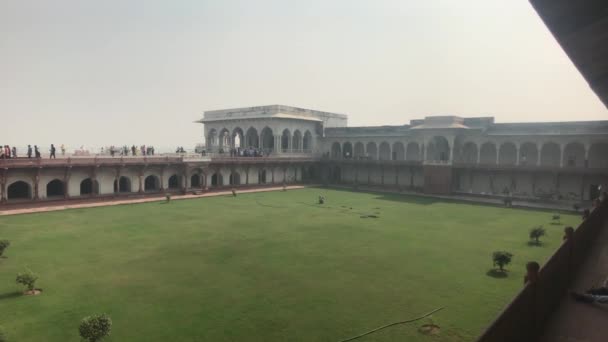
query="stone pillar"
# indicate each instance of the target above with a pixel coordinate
(301, 149)
(586, 161)
(272, 174)
(479, 155)
(3, 195)
(162, 178)
(538, 154)
(381, 174)
(37, 185)
(66, 182)
(397, 175)
(247, 175)
(186, 176)
(277, 143)
(561, 156)
(141, 178)
(516, 155)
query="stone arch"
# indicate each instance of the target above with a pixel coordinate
(336, 150)
(195, 181)
(262, 176)
(151, 183)
(413, 151)
(296, 144)
(438, 149)
(307, 142)
(528, 154)
(507, 154)
(89, 187)
(217, 179)
(398, 151)
(122, 185)
(251, 138)
(371, 150)
(598, 155)
(212, 138)
(285, 139)
(574, 155)
(469, 153)
(347, 150)
(550, 154)
(19, 190)
(487, 153)
(235, 178)
(267, 139)
(359, 151)
(224, 137)
(238, 137)
(55, 188)
(384, 151)
(173, 182)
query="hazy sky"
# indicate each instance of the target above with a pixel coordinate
(92, 73)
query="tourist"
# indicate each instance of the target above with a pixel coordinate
(36, 151)
(112, 151)
(29, 151)
(2, 152)
(52, 156)
(63, 149)
(14, 152)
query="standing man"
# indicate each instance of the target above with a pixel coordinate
(52, 156)
(63, 150)
(29, 151)
(14, 152)
(36, 152)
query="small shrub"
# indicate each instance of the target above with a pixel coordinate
(556, 219)
(27, 279)
(96, 327)
(536, 233)
(501, 259)
(4, 245)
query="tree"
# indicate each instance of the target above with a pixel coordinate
(96, 327)
(4, 245)
(536, 233)
(556, 219)
(27, 279)
(501, 259)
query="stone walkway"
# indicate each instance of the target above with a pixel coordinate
(93, 204)
(581, 322)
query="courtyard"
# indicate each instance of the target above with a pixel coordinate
(273, 266)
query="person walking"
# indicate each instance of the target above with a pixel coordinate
(29, 151)
(36, 151)
(14, 152)
(52, 156)
(63, 150)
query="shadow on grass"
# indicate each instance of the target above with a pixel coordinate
(494, 273)
(535, 244)
(10, 295)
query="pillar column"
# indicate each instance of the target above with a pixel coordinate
(272, 174)
(301, 149)
(37, 185)
(561, 156)
(516, 155)
(247, 175)
(141, 178)
(95, 190)
(277, 144)
(66, 182)
(538, 155)
(478, 155)
(397, 175)
(3, 186)
(382, 175)
(162, 178)
(186, 176)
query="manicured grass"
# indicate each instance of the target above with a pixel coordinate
(267, 267)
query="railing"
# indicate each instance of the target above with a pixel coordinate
(525, 317)
(100, 160)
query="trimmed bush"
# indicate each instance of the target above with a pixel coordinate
(536, 233)
(96, 327)
(27, 279)
(4, 245)
(501, 259)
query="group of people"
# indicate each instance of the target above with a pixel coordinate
(245, 152)
(142, 150)
(6, 152)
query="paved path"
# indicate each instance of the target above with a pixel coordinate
(580, 322)
(92, 204)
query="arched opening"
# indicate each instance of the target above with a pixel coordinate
(438, 149)
(398, 151)
(413, 151)
(307, 142)
(598, 157)
(347, 150)
(89, 187)
(195, 181)
(469, 153)
(487, 154)
(385, 151)
(123, 185)
(336, 151)
(371, 150)
(262, 176)
(550, 154)
(359, 150)
(251, 138)
(528, 154)
(19, 190)
(507, 154)
(55, 188)
(216, 179)
(267, 140)
(285, 139)
(296, 144)
(212, 139)
(173, 182)
(574, 155)
(235, 178)
(224, 140)
(238, 137)
(151, 184)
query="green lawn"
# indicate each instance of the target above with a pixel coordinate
(267, 267)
